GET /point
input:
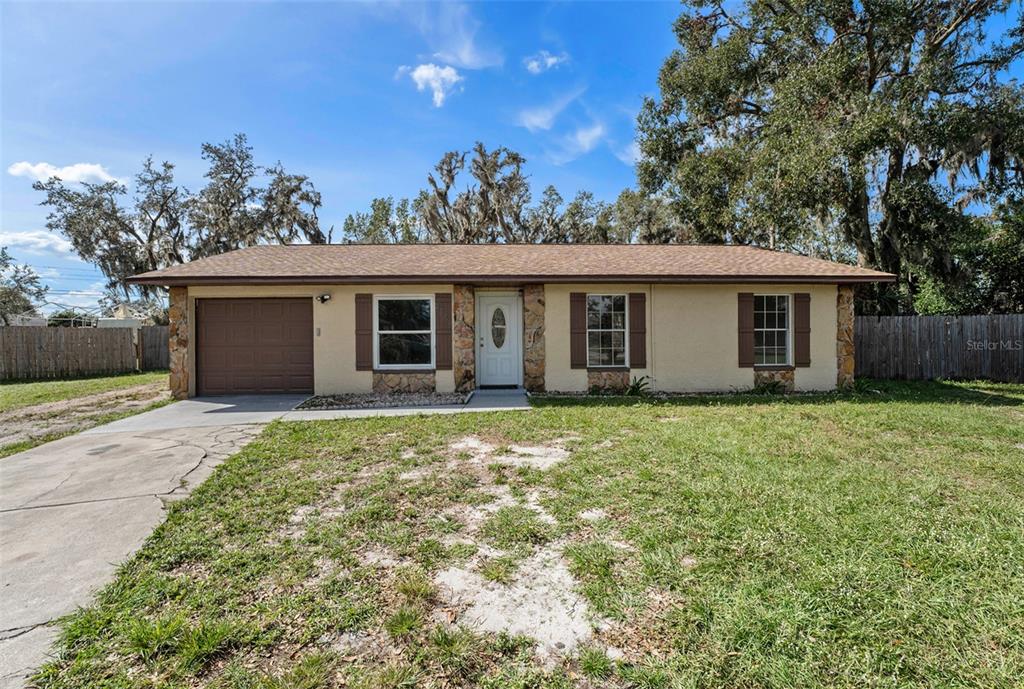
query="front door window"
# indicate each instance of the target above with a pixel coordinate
(498, 328)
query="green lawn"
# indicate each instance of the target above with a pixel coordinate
(871, 539)
(14, 395)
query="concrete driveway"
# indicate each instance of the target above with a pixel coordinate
(73, 509)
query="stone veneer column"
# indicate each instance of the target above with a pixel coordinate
(464, 338)
(844, 337)
(177, 314)
(533, 338)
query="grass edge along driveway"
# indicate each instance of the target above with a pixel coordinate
(831, 541)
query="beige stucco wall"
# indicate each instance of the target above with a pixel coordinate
(692, 336)
(334, 324)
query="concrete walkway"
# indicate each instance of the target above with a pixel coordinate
(246, 409)
(73, 509)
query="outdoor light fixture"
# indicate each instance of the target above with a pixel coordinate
(324, 298)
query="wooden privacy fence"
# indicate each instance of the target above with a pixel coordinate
(930, 347)
(28, 352)
(154, 349)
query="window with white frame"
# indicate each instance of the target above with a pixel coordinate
(404, 332)
(771, 329)
(606, 330)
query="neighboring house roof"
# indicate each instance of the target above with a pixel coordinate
(505, 263)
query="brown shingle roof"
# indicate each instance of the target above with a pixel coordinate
(504, 263)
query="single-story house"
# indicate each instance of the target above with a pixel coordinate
(331, 319)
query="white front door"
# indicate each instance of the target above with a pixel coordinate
(499, 339)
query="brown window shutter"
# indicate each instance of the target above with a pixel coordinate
(364, 332)
(443, 331)
(746, 329)
(637, 330)
(577, 330)
(802, 329)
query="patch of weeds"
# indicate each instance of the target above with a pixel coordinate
(524, 675)
(150, 639)
(516, 525)
(645, 677)
(459, 552)
(201, 644)
(404, 622)
(667, 565)
(500, 569)
(594, 663)
(593, 562)
(444, 525)
(456, 650)
(499, 473)
(430, 552)
(393, 675)
(413, 583)
(591, 559)
(530, 476)
(312, 672)
(510, 645)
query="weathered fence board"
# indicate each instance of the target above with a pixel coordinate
(929, 347)
(28, 352)
(154, 352)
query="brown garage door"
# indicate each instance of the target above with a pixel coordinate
(254, 346)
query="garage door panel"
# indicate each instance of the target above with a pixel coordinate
(297, 359)
(254, 346)
(270, 334)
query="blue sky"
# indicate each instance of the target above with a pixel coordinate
(364, 98)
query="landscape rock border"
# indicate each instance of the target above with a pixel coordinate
(371, 400)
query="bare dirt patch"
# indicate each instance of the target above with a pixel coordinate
(595, 514)
(540, 602)
(71, 416)
(539, 599)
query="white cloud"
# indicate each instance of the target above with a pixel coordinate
(583, 140)
(453, 33)
(543, 117)
(79, 172)
(36, 241)
(629, 154)
(542, 61)
(440, 80)
(86, 299)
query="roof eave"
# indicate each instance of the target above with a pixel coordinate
(212, 280)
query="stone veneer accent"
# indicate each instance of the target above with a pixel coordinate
(607, 381)
(390, 382)
(784, 376)
(533, 338)
(177, 314)
(844, 337)
(464, 338)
